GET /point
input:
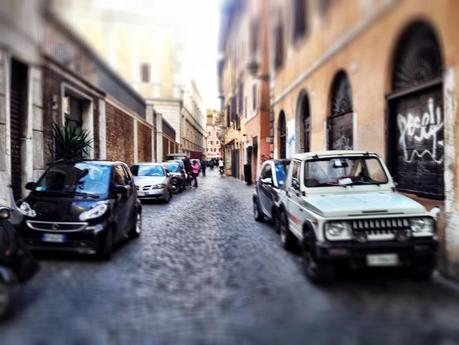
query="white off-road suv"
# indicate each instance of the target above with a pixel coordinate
(342, 207)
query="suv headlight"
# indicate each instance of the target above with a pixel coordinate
(26, 210)
(95, 212)
(422, 227)
(338, 231)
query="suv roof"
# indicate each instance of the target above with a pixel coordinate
(331, 153)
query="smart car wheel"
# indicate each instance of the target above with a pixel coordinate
(275, 219)
(317, 272)
(6, 300)
(106, 247)
(256, 211)
(137, 229)
(287, 239)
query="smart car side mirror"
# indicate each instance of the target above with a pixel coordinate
(5, 213)
(30, 185)
(120, 189)
(268, 181)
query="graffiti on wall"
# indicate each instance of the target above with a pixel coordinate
(424, 131)
(340, 132)
(291, 138)
(417, 142)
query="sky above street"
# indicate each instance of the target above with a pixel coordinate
(198, 21)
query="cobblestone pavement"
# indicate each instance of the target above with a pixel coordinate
(204, 272)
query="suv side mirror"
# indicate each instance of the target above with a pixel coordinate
(267, 180)
(120, 189)
(30, 185)
(296, 184)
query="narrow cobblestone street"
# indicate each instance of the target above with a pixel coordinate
(204, 272)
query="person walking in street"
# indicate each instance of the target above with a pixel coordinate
(203, 167)
(188, 170)
(221, 166)
(195, 172)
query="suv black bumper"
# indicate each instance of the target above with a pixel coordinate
(419, 250)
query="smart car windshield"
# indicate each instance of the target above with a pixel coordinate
(344, 171)
(148, 170)
(80, 179)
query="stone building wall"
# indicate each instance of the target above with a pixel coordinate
(119, 133)
(144, 140)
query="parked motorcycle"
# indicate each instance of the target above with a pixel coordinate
(17, 264)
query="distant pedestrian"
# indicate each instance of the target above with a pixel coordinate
(195, 172)
(203, 167)
(221, 166)
(188, 170)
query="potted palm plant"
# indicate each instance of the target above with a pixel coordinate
(70, 142)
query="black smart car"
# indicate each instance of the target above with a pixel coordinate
(83, 206)
(269, 184)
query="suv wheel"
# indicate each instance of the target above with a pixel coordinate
(287, 238)
(423, 270)
(317, 272)
(257, 215)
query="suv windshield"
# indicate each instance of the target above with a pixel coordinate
(148, 170)
(80, 179)
(344, 171)
(173, 167)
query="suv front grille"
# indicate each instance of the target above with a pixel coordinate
(381, 229)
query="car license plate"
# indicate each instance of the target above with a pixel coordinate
(55, 238)
(141, 193)
(382, 260)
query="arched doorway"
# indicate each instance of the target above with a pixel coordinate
(304, 123)
(415, 134)
(340, 122)
(282, 128)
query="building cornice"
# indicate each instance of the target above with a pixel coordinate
(334, 49)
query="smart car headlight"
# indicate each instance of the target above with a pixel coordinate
(422, 227)
(338, 231)
(26, 210)
(95, 212)
(4, 213)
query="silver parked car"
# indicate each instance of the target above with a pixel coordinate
(153, 181)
